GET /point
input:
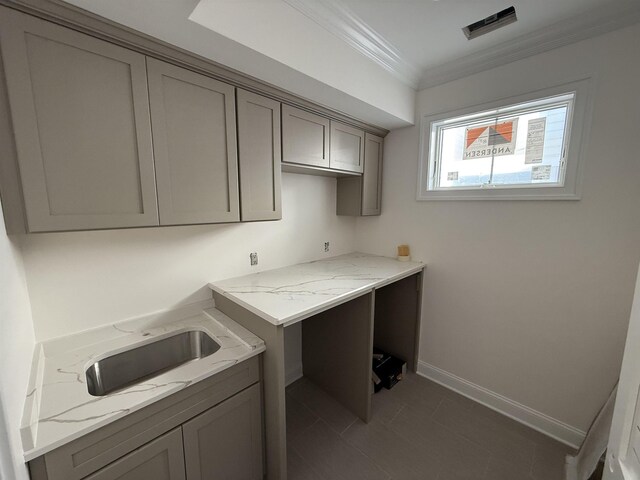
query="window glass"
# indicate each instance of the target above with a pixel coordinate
(516, 146)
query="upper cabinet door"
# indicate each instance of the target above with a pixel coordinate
(80, 115)
(305, 137)
(194, 141)
(259, 157)
(372, 175)
(347, 148)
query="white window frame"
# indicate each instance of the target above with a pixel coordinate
(577, 131)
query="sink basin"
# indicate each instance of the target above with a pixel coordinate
(127, 368)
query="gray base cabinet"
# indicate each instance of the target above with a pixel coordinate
(161, 459)
(226, 441)
(210, 430)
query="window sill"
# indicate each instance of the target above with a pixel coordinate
(503, 194)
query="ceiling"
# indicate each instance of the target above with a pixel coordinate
(365, 58)
(428, 33)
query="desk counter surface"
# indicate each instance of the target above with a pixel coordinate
(287, 295)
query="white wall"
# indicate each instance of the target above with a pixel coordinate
(316, 52)
(81, 280)
(529, 300)
(16, 347)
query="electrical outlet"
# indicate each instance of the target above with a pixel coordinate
(254, 258)
(326, 246)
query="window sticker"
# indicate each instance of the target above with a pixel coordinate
(490, 140)
(535, 141)
(541, 172)
(452, 176)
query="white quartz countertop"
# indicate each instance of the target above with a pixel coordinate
(60, 409)
(286, 295)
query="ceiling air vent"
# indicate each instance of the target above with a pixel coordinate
(492, 22)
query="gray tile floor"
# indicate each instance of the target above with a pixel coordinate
(419, 431)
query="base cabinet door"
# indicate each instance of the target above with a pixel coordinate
(225, 442)
(194, 141)
(161, 459)
(80, 114)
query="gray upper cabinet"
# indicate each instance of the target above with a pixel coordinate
(226, 441)
(80, 114)
(161, 459)
(305, 137)
(194, 141)
(372, 175)
(94, 135)
(347, 148)
(259, 156)
(362, 195)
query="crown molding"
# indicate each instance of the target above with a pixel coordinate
(84, 21)
(582, 27)
(338, 19)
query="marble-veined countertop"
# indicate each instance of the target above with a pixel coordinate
(59, 408)
(286, 295)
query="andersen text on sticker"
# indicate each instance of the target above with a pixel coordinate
(490, 140)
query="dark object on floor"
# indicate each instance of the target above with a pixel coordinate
(387, 370)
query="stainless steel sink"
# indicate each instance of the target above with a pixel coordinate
(140, 363)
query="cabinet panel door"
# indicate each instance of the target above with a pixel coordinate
(347, 148)
(305, 137)
(226, 441)
(161, 459)
(81, 123)
(194, 140)
(372, 175)
(259, 157)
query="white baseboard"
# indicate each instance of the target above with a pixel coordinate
(521, 413)
(293, 374)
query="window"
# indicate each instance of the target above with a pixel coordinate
(510, 150)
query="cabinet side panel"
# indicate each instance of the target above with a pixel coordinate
(273, 383)
(396, 324)
(10, 187)
(336, 353)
